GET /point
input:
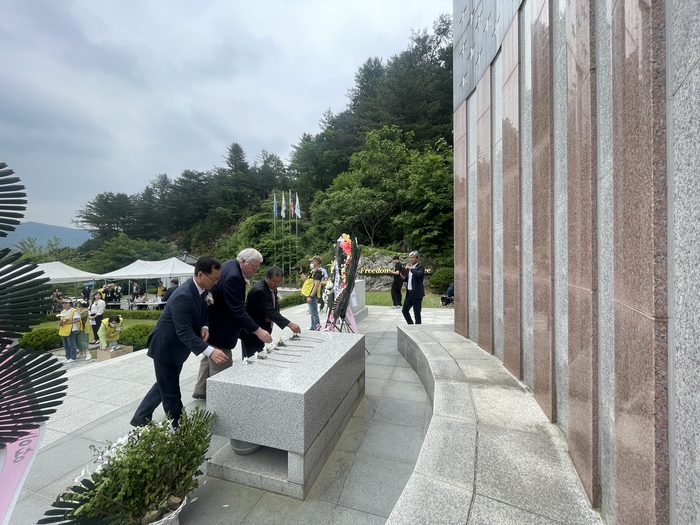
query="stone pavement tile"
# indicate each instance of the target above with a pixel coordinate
(30, 508)
(111, 426)
(384, 348)
(409, 391)
(426, 501)
(50, 436)
(509, 407)
(367, 407)
(123, 371)
(450, 454)
(117, 392)
(219, 502)
(380, 359)
(345, 516)
(353, 435)
(532, 472)
(330, 482)
(282, 510)
(80, 419)
(394, 442)
(375, 387)
(374, 485)
(454, 399)
(466, 350)
(401, 412)
(378, 371)
(57, 460)
(407, 375)
(401, 361)
(486, 511)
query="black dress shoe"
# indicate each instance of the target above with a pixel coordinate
(199, 396)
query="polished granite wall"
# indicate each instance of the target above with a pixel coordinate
(605, 286)
(581, 189)
(684, 236)
(484, 205)
(511, 222)
(460, 217)
(640, 267)
(582, 245)
(543, 206)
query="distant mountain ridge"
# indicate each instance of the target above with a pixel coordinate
(70, 237)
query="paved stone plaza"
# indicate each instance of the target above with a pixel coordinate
(364, 475)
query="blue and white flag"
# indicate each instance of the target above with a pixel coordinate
(297, 209)
(275, 205)
(282, 206)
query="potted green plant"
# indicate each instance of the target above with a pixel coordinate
(142, 479)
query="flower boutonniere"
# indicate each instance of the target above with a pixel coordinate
(209, 299)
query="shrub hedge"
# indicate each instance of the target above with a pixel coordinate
(42, 339)
(136, 336)
(442, 278)
(292, 300)
(134, 314)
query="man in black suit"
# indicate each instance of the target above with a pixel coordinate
(397, 284)
(228, 316)
(181, 329)
(263, 306)
(171, 290)
(415, 293)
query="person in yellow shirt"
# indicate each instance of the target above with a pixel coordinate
(109, 332)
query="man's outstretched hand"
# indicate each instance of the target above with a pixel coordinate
(218, 356)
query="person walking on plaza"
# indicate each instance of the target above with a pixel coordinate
(263, 306)
(97, 310)
(68, 326)
(228, 316)
(86, 293)
(312, 299)
(397, 284)
(181, 329)
(415, 293)
(83, 337)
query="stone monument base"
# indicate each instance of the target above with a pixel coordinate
(284, 472)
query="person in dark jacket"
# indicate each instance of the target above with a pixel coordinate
(228, 316)
(397, 284)
(181, 329)
(415, 293)
(263, 306)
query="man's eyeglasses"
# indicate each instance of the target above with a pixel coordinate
(255, 267)
(211, 278)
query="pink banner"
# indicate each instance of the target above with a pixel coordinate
(18, 458)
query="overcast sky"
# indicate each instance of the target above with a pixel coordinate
(104, 95)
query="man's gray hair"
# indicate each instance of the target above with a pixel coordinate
(249, 254)
(414, 253)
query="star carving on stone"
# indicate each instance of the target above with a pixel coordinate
(471, 53)
(478, 57)
(495, 25)
(464, 80)
(471, 19)
(487, 24)
(461, 51)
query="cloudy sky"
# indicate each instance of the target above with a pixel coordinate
(104, 95)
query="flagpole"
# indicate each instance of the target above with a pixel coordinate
(291, 212)
(282, 213)
(297, 212)
(274, 228)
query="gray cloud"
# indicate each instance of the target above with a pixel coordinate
(103, 96)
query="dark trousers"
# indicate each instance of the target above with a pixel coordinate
(396, 293)
(412, 302)
(96, 326)
(166, 390)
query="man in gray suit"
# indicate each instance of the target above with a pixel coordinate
(181, 329)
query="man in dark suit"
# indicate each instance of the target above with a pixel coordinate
(415, 293)
(181, 329)
(171, 290)
(263, 306)
(228, 316)
(398, 282)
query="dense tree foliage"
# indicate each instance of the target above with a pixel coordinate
(381, 170)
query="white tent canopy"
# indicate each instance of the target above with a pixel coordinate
(139, 269)
(58, 273)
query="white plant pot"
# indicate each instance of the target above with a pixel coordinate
(172, 519)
